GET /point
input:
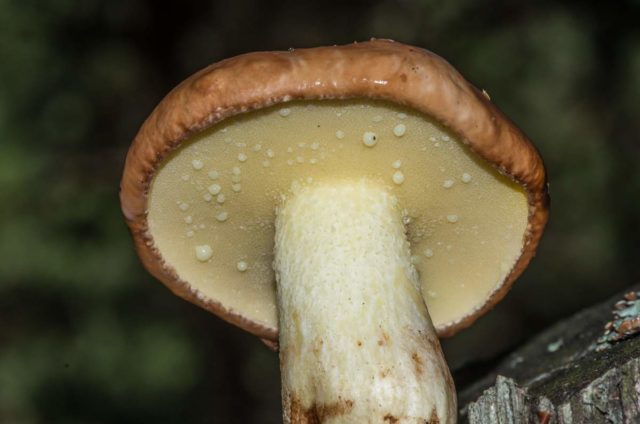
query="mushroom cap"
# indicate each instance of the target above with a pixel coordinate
(378, 69)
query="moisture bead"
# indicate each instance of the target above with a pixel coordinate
(184, 206)
(242, 157)
(466, 178)
(369, 139)
(204, 252)
(197, 164)
(452, 218)
(236, 187)
(242, 266)
(285, 112)
(447, 183)
(428, 253)
(397, 164)
(220, 198)
(339, 134)
(188, 219)
(213, 175)
(399, 130)
(214, 189)
(398, 177)
(222, 216)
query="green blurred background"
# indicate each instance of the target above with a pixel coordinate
(87, 336)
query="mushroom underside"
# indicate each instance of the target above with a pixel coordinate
(211, 209)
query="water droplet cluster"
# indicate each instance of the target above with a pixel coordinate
(221, 183)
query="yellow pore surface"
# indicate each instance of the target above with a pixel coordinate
(212, 203)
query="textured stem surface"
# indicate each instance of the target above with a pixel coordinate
(356, 341)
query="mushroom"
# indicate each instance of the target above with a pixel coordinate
(347, 203)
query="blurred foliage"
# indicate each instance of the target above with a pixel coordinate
(87, 336)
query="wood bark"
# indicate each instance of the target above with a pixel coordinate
(560, 377)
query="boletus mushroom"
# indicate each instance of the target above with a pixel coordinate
(349, 203)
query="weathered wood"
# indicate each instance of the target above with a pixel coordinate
(560, 377)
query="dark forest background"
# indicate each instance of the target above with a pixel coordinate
(87, 336)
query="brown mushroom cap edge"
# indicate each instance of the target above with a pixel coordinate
(378, 69)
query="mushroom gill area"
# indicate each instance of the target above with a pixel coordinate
(212, 203)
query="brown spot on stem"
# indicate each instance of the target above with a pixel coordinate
(434, 417)
(384, 339)
(317, 413)
(359, 343)
(417, 362)
(317, 346)
(390, 418)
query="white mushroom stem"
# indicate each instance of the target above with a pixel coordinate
(356, 341)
